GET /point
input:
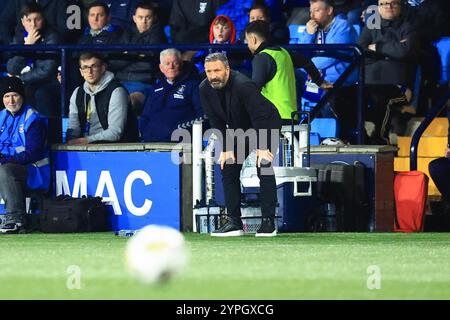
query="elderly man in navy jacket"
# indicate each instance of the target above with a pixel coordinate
(174, 102)
(23, 154)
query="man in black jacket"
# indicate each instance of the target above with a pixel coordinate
(233, 103)
(389, 65)
(137, 70)
(100, 30)
(54, 12)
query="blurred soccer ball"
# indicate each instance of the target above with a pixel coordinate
(155, 254)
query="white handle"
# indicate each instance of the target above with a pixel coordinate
(302, 194)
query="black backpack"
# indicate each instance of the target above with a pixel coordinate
(66, 214)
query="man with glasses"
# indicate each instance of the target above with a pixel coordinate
(390, 63)
(100, 109)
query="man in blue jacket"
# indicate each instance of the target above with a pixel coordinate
(326, 28)
(174, 102)
(24, 160)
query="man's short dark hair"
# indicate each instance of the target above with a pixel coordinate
(328, 3)
(98, 4)
(260, 28)
(30, 8)
(89, 55)
(261, 5)
(147, 6)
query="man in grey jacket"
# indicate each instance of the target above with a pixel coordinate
(100, 109)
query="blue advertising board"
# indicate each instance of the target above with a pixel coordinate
(140, 188)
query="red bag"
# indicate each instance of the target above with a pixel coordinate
(410, 190)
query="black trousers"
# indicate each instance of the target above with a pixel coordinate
(440, 172)
(232, 184)
(385, 103)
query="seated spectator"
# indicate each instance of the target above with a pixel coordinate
(238, 12)
(279, 33)
(190, 20)
(100, 109)
(100, 30)
(53, 11)
(273, 69)
(351, 9)
(174, 102)
(222, 30)
(34, 69)
(23, 154)
(326, 28)
(440, 170)
(136, 70)
(430, 19)
(390, 57)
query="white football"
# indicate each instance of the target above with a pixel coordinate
(155, 254)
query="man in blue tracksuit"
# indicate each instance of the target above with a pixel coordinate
(24, 159)
(174, 102)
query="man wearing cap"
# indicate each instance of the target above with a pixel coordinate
(24, 160)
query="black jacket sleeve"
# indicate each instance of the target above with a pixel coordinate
(260, 109)
(264, 69)
(301, 61)
(365, 39)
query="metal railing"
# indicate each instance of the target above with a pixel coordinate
(355, 58)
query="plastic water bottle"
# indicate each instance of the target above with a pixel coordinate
(125, 233)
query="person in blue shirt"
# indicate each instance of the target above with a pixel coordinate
(326, 28)
(174, 102)
(24, 162)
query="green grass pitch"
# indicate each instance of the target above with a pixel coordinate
(290, 266)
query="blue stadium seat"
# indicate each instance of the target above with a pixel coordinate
(314, 139)
(295, 30)
(443, 47)
(325, 127)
